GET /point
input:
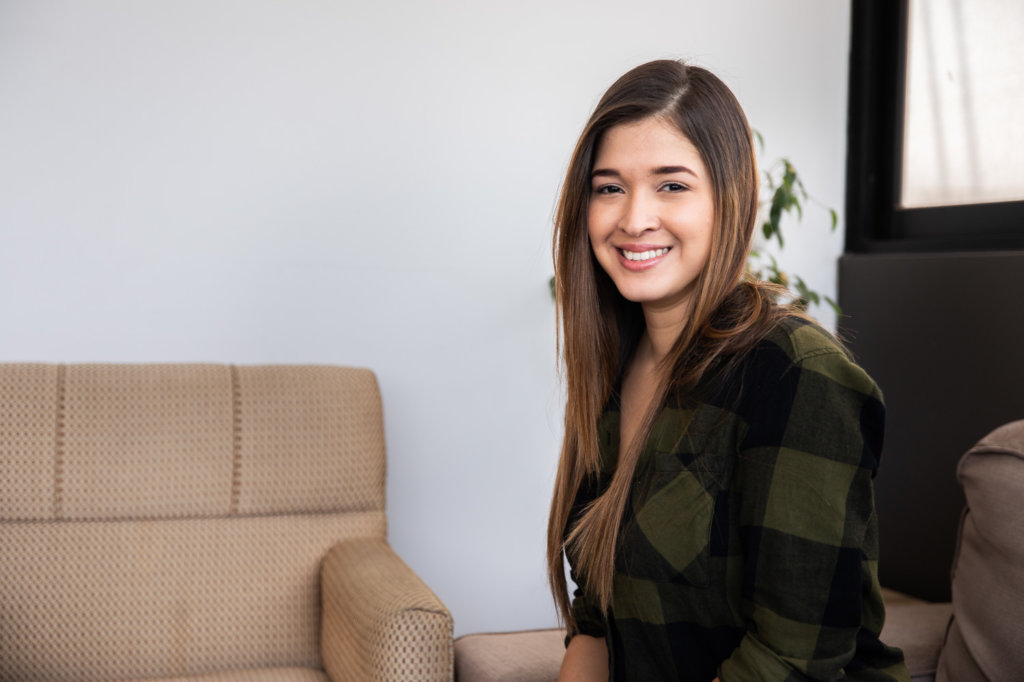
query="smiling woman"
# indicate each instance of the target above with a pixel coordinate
(714, 492)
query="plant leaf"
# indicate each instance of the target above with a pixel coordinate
(785, 194)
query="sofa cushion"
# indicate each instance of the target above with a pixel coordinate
(133, 599)
(986, 640)
(917, 628)
(28, 441)
(527, 656)
(310, 440)
(92, 442)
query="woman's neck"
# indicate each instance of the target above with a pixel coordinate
(663, 328)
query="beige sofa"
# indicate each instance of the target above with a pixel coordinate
(168, 521)
(978, 637)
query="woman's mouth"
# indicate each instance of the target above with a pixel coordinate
(637, 261)
(640, 256)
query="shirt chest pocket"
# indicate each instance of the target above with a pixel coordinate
(669, 535)
(674, 528)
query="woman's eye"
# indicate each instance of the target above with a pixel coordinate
(607, 189)
(674, 187)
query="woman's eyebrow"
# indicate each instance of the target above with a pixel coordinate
(661, 170)
(668, 170)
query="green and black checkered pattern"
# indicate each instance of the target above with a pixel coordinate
(749, 547)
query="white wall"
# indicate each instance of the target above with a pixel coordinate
(369, 184)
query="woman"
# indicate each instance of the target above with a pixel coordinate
(714, 495)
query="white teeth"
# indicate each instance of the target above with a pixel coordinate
(644, 255)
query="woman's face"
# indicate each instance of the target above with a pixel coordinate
(651, 213)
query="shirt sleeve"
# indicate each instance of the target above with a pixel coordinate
(807, 523)
(587, 616)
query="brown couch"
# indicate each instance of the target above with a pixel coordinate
(168, 521)
(976, 638)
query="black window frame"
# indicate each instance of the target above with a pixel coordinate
(874, 220)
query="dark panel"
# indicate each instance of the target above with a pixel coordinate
(943, 335)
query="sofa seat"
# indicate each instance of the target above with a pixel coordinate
(917, 627)
(525, 656)
(914, 625)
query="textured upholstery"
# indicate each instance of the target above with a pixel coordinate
(297, 413)
(917, 627)
(28, 442)
(163, 521)
(986, 640)
(399, 630)
(140, 598)
(261, 675)
(525, 656)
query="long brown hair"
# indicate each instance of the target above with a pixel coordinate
(599, 328)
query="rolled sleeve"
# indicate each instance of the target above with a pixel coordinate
(587, 617)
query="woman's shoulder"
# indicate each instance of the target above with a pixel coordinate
(800, 338)
(798, 345)
(802, 391)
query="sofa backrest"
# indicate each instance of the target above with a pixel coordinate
(160, 520)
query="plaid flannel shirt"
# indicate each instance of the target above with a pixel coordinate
(749, 545)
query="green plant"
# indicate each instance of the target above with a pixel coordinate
(787, 196)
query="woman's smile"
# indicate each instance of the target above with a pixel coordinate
(642, 257)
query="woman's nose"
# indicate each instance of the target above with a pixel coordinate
(640, 215)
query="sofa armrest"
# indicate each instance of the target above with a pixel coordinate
(985, 640)
(380, 621)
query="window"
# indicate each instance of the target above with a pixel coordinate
(934, 150)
